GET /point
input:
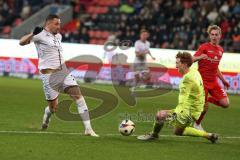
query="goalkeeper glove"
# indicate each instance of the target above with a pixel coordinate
(37, 30)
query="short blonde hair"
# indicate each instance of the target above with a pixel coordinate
(214, 27)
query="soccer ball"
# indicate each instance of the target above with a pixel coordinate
(126, 127)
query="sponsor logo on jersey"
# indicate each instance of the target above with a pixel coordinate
(211, 51)
(213, 60)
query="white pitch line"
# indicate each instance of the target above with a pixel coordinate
(41, 132)
(108, 134)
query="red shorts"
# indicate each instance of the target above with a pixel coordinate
(215, 90)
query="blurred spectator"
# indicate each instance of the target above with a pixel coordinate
(213, 15)
(236, 9)
(224, 8)
(126, 8)
(84, 38)
(26, 10)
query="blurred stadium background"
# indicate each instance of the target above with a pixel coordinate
(173, 24)
(86, 26)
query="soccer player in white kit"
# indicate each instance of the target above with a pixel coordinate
(53, 71)
(141, 71)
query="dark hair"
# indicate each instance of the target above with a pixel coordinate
(51, 17)
(185, 58)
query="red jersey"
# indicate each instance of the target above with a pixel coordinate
(208, 67)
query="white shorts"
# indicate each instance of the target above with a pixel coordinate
(56, 82)
(140, 66)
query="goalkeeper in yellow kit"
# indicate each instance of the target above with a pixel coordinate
(190, 104)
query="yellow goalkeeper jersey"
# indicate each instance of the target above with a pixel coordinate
(192, 96)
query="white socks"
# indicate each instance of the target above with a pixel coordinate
(47, 115)
(83, 111)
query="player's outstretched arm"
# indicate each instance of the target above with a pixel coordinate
(26, 39)
(148, 52)
(220, 76)
(197, 58)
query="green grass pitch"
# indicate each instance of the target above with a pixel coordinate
(21, 110)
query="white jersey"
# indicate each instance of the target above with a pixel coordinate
(141, 46)
(49, 50)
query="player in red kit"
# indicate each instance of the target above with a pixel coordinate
(208, 56)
